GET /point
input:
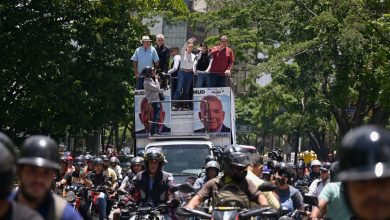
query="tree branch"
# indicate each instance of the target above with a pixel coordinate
(305, 7)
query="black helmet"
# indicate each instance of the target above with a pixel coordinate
(212, 164)
(235, 155)
(365, 154)
(154, 154)
(105, 158)
(334, 170)
(147, 72)
(7, 171)
(40, 151)
(137, 160)
(209, 158)
(301, 165)
(325, 166)
(98, 161)
(88, 157)
(79, 160)
(141, 153)
(114, 160)
(9, 144)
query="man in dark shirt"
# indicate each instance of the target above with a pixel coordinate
(74, 177)
(163, 53)
(203, 63)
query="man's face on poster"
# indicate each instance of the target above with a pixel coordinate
(146, 115)
(216, 114)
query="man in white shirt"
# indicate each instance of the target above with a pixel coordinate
(318, 184)
(186, 72)
(175, 69)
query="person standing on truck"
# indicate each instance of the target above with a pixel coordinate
(203, 64)
(144, 56)
(175, 67)
(223, 60)
(152, 90)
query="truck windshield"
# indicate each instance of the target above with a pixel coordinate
(187, 158)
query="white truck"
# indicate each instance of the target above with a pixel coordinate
(188, 136)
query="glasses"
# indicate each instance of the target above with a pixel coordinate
(79, 164)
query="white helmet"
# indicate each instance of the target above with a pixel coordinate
(315, 163)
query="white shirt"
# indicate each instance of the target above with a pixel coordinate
(316, 187)
(176, 63)
(187, 59)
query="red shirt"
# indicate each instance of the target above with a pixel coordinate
(222, 60)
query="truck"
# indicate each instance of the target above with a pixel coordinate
(187, 136)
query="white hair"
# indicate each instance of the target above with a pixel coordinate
(160, 36)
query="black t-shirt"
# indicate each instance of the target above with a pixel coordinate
(97, 179)
(72, 178)
(163, 55)
(203, 62)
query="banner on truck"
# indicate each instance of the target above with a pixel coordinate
(144, 115)
(219, 107)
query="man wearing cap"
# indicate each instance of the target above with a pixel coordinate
(144, 56)
(365, 172)
(10, 209)
(39, 160)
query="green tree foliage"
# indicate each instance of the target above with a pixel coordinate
(329, 61)
(66, 63)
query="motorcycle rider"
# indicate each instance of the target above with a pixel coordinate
(212, 169)
(314, 171)
(10, 209)
(88, 161)
(97, 178)
(235, 160)
(108, 171)
(137, 165)
(38, 162)
(318, 184)
(289, 197)
(153, 185)
(75, 177)
(254, 171)
(114, 165)
(365, 173)
(300, 179)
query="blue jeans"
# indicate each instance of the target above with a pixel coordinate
(202, 80)
(184, 81)
(139, 82)
(102, 206)
(217, 80)
(156, 117)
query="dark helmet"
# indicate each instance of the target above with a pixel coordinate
(212, 164)
(147, 72)
(301, 165)
(285, 170)
(40, 151)
(114, 160)
(9, 144)
(334, 170)
(79, 161)
(137, 160)
(325, 166)
(154, 154)
(7, 170)
(365, 154)
(88, 157)
(235, 159)
(209, 158)
(105, 158)
(141, 153)
(98, 161)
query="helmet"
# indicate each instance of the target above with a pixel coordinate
(326, 166)
(209, 158)
(79, 160)
(235, 155)
(137, 160)
(114, 160)
(212, 164)
(365, 154)
(141, 153)
(98, 161)
(301, 165)
(40, 151)
(284, 170)
(146, 72)
(87, 157)
(315, 163)
(334, 170)
(63, 159)
(105, 158)
(9, 144)
(154, 154)
(7, 171)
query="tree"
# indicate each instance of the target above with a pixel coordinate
(66, 64)
(329, 61)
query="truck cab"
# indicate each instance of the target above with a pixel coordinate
(187, 136)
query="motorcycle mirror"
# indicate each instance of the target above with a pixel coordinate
(184, 188)
(267, 187)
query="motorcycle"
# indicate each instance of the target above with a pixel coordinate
(75, 195)
(93, 196)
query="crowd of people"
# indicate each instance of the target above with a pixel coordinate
(355, 187)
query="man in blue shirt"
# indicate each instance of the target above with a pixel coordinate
(39, 160)
(144, 56)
